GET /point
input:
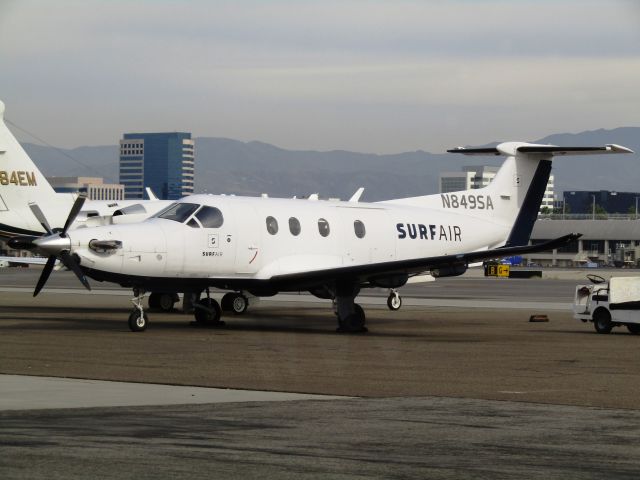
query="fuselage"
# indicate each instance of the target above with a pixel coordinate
(258, 238)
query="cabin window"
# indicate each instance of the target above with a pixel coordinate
(210, 217)
(178, 212)
(323, 227)
(272, 225)
(358, 228)
(294, 226)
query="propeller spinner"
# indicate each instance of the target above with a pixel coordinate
(55, 245)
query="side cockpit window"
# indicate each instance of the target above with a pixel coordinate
(178, 212)
(210, 217)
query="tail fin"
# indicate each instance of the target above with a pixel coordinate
(524, 176)
(21, 183)
(516, 192)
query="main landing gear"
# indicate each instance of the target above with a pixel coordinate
(207, 312)
(235, 302)
(163, 302)
(351, 318)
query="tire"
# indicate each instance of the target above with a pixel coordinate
(227, 302)
(394, 302)
(138, 322)
(209, 316)
(166, 302)
(354, 323)
(239, 304)
(154, 301)
(634, 328)
(602, 321)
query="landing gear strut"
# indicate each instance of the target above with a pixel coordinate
(351, 318)
(138, 319)
(207, 312)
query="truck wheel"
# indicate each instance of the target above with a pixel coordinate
(634, 328)
(602, 321)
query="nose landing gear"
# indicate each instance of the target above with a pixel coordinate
(138, 319)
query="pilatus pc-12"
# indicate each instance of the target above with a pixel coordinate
(333, 249)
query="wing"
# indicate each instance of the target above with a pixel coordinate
(439, 266)
(23, 260)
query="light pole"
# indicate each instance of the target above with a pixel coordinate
(593, 209)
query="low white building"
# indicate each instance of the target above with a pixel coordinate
(604, 242)
(94, 187)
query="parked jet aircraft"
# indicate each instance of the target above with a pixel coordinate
(332, 249)
(22, 183)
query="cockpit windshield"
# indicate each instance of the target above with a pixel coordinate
(178, 212)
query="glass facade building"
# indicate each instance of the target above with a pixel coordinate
(163, 162)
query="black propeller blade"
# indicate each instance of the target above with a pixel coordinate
(72, 265)
(44, 276)
(77, 206)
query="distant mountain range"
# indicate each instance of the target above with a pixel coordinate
(251, 168)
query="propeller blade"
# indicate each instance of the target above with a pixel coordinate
(41, 218)
(71, 264)
(44, 276)
(77, 206)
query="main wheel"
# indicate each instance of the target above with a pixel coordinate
(394, 302)
(602, 321)
(154, 301)
(634, 328)
(227, 301)
(138, 320)
(239, 304)
(167, 301)
(210, 314)
(354, 323)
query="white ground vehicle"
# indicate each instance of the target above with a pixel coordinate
(609, 304)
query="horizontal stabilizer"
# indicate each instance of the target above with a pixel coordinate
(513, 148)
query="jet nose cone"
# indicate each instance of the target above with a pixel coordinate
(22, 243)
(53, 244)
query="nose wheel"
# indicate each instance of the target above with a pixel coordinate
(394, 300)
(138, 319)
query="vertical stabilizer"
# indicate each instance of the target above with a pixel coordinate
(21, 183)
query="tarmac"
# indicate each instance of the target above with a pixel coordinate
(467, 391)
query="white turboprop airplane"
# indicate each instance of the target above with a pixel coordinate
(22, 183)
(332, 249)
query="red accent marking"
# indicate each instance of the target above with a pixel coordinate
(254, 257)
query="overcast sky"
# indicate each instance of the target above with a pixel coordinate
(369, 76)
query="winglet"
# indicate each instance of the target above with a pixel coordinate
(355, 198)
(150, 194)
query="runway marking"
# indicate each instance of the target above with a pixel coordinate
(23, 392)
